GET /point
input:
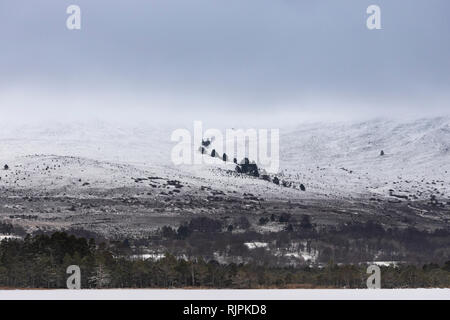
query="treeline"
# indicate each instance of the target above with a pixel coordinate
(41, 261)
(350, 243)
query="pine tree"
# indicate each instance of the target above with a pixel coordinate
(101, 277)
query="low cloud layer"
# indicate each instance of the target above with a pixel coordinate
(189, 59)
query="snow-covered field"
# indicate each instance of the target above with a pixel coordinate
(224, 294)
(329, 158)
(347, 157)
(334, 161)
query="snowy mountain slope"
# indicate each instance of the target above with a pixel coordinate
(331, 159)
(119, 180)
(347, 156)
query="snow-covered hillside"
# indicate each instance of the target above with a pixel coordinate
(348, 156)
(330, 159)
(119, 180)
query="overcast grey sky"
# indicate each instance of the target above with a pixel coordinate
(162, 58)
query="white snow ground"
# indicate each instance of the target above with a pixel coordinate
(225, 294)
(330, 159)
